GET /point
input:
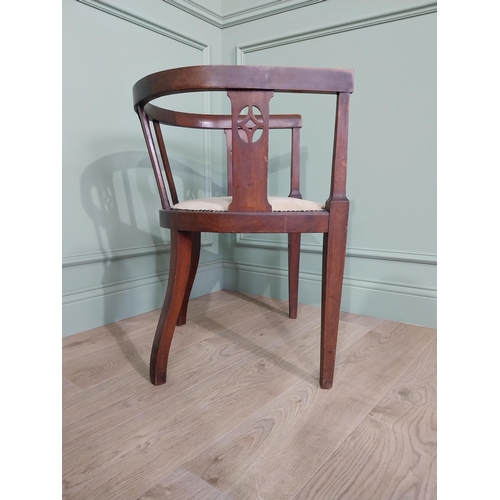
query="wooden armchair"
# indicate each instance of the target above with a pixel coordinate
(247, 208)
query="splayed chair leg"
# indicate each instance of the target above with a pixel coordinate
(195, 258)
(180, 265)
(334, 248)
(293, 273)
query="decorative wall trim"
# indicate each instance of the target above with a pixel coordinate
(124, 253)
(383, 286)
(241, 16)
(108, 7)
(128, 284)
(246, 240)
(404, 302)
(302, 36)
(116, 287)
(100, 305)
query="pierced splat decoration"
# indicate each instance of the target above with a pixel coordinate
(250, 124)
(250, 145)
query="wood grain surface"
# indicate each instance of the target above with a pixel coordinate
(392, 453)
(242, 416)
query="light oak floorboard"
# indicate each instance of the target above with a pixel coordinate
(113, 402)
(125, 460)
(391, 455)
(102, 364)
(418, 385)
(241, 414)
(128, 459)
(271, 453)
(182, 485)
(69, 391)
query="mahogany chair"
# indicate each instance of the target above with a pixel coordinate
(247, 208)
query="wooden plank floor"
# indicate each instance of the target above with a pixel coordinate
(242, 415)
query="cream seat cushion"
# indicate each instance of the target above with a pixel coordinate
(278, 204)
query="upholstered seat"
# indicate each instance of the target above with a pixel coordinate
(278, 204)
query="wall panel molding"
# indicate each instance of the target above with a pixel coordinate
(384, 286)
(302, 36)
(109, 7)
(397, 301)
(99, 305)
(270, 8)
(253, 241)
(124, 253)
(128, 284)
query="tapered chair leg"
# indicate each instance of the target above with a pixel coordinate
(334, 249)
(293, 273)
(195, 257)
(180, 265)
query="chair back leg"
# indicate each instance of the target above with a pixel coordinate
(293, 273)
(195, 258)
(180, 268)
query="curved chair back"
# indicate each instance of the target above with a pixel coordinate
(250, 89)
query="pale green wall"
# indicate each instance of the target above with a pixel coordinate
(115, 260)
(391, 265)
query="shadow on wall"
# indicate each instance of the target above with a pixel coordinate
(115, 191)
(107, 188)
(119, 193)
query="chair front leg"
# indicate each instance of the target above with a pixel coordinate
(334, 250)
(293, 273)
(180, 265)
(195, 258)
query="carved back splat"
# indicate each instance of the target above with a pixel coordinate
(249, 150)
